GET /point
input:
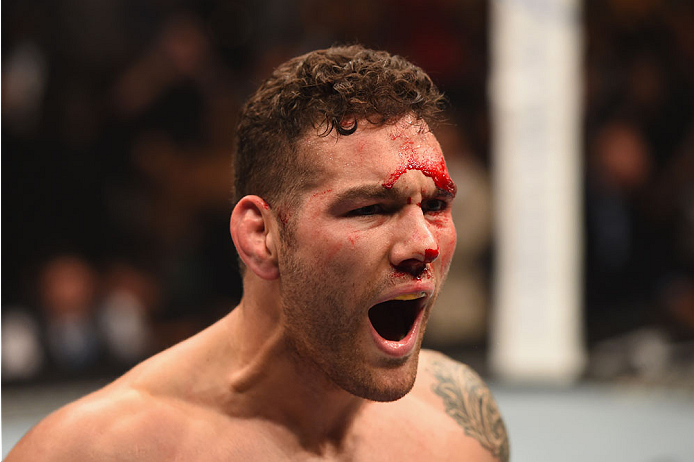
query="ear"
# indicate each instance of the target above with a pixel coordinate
(254, 237)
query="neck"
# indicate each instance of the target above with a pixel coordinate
(270, 380)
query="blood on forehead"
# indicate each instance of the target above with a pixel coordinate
(433, 166)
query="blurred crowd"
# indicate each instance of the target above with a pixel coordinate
(117, 132)
(639, 187)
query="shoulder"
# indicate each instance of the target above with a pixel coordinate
(111, 424)
(453, 388)
(147, 414)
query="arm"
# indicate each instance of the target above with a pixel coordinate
(468, 401)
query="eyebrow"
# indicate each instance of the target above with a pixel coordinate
(367, 191)
(376, 191)
(440, 192)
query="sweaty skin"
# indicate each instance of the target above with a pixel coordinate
(363, 240)
(297, 371)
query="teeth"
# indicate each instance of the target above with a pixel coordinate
(410, 296)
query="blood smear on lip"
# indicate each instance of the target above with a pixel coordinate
(398, 274)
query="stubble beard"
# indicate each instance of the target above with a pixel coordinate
(324, 334)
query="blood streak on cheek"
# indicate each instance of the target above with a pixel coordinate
(440, 219)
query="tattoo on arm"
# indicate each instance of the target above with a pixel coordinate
(470, 403)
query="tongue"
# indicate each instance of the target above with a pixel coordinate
(388, 319)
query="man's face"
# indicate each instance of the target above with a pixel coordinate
(365, 254)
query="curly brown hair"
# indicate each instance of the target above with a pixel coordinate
(322, 90)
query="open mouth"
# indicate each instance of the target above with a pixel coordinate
(394, 319)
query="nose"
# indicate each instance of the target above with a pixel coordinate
(415, 245)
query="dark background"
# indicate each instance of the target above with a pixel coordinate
(117, 132)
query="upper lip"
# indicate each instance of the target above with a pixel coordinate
(427, 289)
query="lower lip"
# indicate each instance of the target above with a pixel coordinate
(399, 348)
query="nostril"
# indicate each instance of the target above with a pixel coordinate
(412, 267)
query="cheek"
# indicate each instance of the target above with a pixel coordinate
(446, 238)
(330, 252)
(330, 248)
(352, 238)
(283, 217)
(446, 251)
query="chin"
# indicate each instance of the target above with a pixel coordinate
(382, 384)
(389, 394)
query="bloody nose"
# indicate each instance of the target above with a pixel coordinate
(431, 254)
(412, 267)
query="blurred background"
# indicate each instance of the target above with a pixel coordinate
(117, 131)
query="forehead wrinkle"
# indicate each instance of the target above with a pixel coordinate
(376, 191)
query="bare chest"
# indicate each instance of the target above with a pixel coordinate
(397, 437)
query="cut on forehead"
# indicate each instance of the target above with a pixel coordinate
(314, 149)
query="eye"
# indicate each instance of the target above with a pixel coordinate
(434, 205)
(372, 209)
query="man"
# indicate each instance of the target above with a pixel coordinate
(343, 227)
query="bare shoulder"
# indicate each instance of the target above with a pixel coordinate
(110, 424)
(147, 414)
(458, 391)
